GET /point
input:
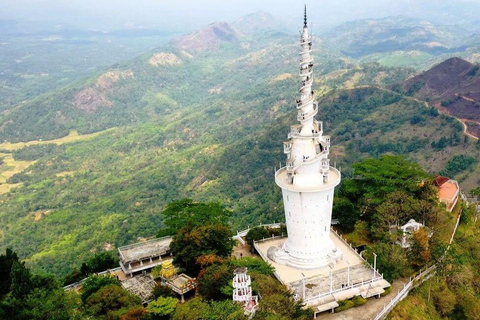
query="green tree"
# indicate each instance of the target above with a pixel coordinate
(93, 283)
(162, 308)
(255, 234)
(193, 309)
(110, 302)
(182, 213)
(375, 178)
(444, 300)
(6, 262)
(47, 304)
(397, 209)
(21, 281)
(253, 264)
(213, 279)
(391, 260)
(225, 310)
(344, 210)
(191, 243)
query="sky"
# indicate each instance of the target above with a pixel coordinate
(188, 15)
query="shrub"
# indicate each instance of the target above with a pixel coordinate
(344, 305)
(359, 301)
(387, 291)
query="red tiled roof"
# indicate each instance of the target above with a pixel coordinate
(439, 180)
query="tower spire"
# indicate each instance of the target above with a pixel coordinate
(305, 17)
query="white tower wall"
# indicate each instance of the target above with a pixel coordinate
(307, 181)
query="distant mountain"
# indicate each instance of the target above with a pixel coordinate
(452, 86)
(399, 33)
(449, 78)
(208, 38)
(257, 22)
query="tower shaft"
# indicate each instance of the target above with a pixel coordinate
(307, 180)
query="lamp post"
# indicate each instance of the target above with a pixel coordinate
(348, 273)
(303, 281)
(331, 281)
(374, 264)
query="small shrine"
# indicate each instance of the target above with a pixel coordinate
(168, 270)
(179, 283)
(242, 291)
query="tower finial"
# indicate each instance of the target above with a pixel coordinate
(305, 17)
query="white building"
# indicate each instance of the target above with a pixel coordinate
(307, 181)
(407, 230)
(242, 291)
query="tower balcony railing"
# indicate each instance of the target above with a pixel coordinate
(294, 131)
(289, 165)
(306, 71)
(302, 116)
(287, 147)
(305, 50)
(308, 41)
(307, 60)
(301, 103)
(306, 83)
(308, 160)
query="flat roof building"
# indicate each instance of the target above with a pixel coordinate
(143, 256)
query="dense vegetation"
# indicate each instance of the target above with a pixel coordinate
(454, 291)
(102, 297)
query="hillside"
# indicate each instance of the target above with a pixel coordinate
(201, 124)
(452, 86)
(208, 38)
(35, 63)
(119, 182)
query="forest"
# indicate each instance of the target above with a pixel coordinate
(383, 191)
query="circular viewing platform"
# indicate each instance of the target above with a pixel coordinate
(281, 179)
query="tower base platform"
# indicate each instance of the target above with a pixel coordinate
(321, 288)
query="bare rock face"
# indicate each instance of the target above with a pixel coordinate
(90, 98)
(209, 38)
(164, 59)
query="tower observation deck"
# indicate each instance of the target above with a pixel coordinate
(307, 180)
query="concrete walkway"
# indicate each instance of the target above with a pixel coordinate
(244, 250)
(369, 310)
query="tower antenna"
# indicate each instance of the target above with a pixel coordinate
(305, 17)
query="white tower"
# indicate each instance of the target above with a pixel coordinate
(242, 291)
(307, 180)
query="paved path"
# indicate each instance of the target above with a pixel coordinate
(369, 310)
(241, 249)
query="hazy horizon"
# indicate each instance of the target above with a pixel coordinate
(188, 15)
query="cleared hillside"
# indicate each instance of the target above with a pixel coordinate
(453, 87)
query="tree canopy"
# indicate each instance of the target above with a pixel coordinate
(182, 213)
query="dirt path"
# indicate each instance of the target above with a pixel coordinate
(369, 310)
(465, 127)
